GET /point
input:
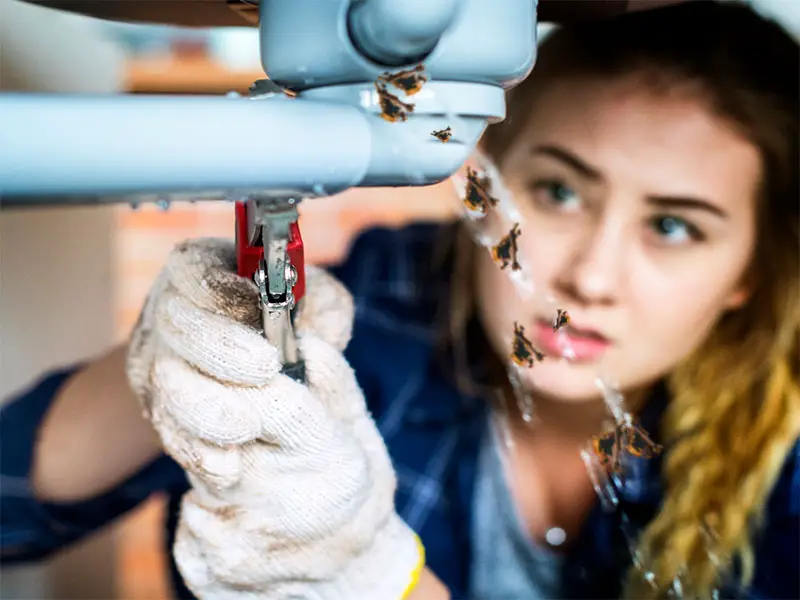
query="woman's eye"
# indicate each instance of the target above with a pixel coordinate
(555, 194)
(675, 230)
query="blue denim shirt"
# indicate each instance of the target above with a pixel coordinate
(433, 434)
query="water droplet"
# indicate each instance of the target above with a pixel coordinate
(599, 477)
(555, 536)
(501, 419)
(484, 240)
(163, 203)
(134, 205)
(565, 345)
(524, 400)
(613, 398)
(677, 588)
(523, 283)
(505, 433)
(318, 189)
(233, 94)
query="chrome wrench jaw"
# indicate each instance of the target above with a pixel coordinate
(276, 315)
(276, 276)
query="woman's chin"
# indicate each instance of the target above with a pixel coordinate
(567, 382)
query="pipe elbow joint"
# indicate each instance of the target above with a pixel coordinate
(399, 32)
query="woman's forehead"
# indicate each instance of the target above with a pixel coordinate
(629, 132)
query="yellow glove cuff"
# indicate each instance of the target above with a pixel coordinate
(417, 572)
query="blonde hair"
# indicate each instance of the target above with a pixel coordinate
(734, 412)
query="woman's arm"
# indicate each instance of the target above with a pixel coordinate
(94, 435)
(76, 455)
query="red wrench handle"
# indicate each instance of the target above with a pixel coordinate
(248, 256)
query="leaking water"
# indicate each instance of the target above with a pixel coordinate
(607, 487)
(523, 398)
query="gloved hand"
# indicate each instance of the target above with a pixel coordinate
(292, 488)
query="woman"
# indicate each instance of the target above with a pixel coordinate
(663, 240)
(653, 162)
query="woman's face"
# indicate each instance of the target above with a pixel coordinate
(637, 216)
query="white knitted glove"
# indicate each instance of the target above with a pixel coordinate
(292, 488)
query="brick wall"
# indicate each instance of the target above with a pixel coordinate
(144, 238)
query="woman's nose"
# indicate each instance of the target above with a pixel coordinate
(592, 273)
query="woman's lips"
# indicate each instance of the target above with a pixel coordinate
(570, 342)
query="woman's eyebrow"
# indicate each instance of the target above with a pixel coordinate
(593, 173)
(572, 160)
(687, 203)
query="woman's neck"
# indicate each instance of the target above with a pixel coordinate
(564, 422)
(571, 423)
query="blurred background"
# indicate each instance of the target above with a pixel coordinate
(72, 280)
